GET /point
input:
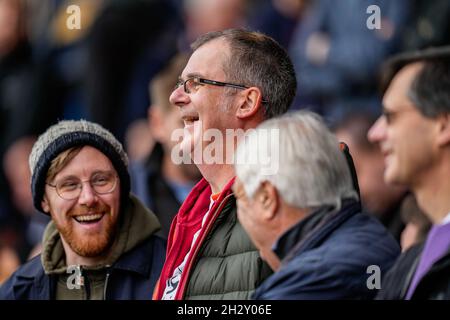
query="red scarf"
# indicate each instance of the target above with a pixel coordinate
(185, 224)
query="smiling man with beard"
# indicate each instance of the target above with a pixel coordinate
(100, 243)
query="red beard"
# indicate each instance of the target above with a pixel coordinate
(89, 244)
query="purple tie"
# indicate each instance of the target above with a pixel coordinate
(436, 245)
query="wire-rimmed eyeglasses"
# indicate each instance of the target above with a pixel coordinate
(70, 188)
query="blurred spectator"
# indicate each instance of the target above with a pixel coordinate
(306, 219)
(11, 25)
(416, 223)
(377, 197)
(276, 18)
(60, 56)
(337, 56)
(33, 223)
(16, 79)
(160, 183)
(15, 164)
(139, 141)
(15, 73)
(203, 16)
(129, 42)
(9, 262)
(429, 25)
(414, 137)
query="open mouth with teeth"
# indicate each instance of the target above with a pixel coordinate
(89, 218)
(189, 120)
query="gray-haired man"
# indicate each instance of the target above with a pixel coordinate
(306, 219)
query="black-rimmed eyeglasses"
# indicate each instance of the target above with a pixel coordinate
(191, 84)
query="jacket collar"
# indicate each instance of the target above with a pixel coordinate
(310, 231)
(136, 225)
(441, 266)
(42, 286)
(135, 260)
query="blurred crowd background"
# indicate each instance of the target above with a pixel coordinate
(102, 71)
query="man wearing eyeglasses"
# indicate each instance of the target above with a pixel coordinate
(234, 80)
(100, 243)
(414, 137)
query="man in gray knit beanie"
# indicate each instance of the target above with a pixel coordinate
(100, 243)
(68, 134)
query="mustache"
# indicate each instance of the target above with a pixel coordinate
(83, 210)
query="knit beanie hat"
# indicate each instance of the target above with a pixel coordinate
(67, 134)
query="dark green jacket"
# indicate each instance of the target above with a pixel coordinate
(223, 264)
(228, 265)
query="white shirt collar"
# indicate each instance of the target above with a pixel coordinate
(446, 219)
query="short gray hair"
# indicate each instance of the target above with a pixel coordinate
(312, 170)
(258, 60)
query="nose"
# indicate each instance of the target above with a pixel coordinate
(87, 197)
(377, 132)
(179, 97)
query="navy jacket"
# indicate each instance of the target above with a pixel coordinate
(327, 255)
(435, 284)
(132, 277)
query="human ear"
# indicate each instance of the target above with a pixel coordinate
(45, 205)
(250, 103)
(443, 137)
(268, 198)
